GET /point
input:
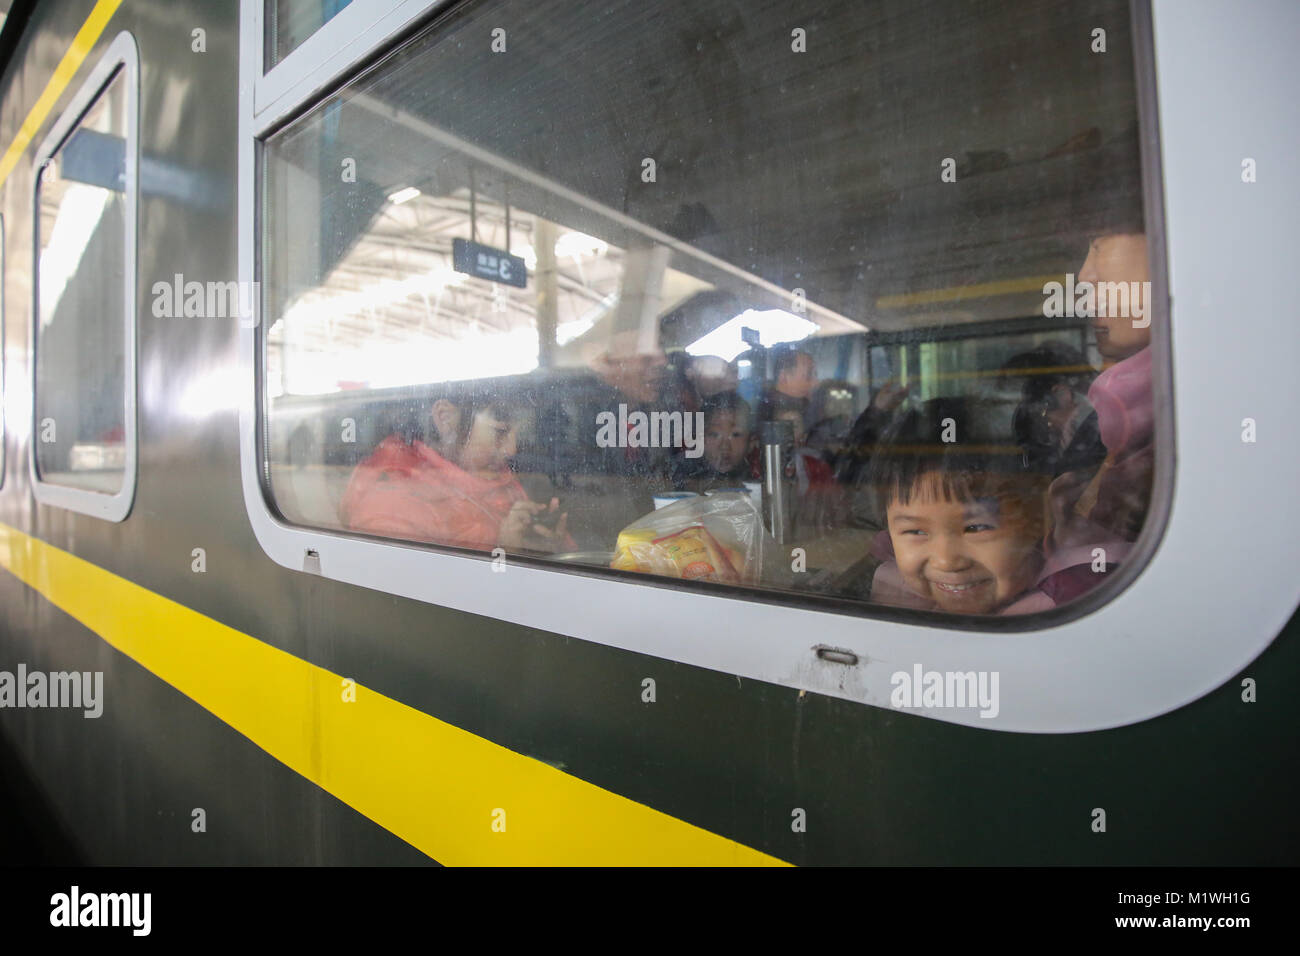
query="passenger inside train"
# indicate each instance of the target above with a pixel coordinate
(710, 375)
(458, 489)
(1097, 510)
(794, 374)
(729, 454)
(843, 295)
(964, 524)
(1055, 425)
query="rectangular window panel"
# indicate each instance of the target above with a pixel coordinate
(3, 364)
(81, 422)
(725, 295)
(287, 23)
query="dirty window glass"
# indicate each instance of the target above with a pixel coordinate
(822, 302)
(81, 254)
(3, 306)
(287, 23)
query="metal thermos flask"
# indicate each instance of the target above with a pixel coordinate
(778, 496)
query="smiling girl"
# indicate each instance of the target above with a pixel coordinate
(964, 519)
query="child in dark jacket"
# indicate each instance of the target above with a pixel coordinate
(728, 460)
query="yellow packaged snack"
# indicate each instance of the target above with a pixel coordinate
(696, 556)
(630, 542)
(716, 538)
(632, 536)
(625, 561)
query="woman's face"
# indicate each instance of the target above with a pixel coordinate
(1115, 259)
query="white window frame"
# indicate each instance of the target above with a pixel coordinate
(1114, 657)
(122, 55)
(330, 51)
(4, 405)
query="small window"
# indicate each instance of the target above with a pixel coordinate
(289, 22)
(724, 311)
(3, 433)
(83, 445)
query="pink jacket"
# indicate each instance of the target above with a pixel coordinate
(888, 586)
(1106, 508)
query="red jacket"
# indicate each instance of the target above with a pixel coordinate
(412, 492)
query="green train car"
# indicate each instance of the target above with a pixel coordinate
(681, 433)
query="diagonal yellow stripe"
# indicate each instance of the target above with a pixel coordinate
(82, 44)
(434, 785)
(958, 293)
(438, 787)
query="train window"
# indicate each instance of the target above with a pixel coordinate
(287, 23)
(3, 403)
(83, 446)
(724, 312)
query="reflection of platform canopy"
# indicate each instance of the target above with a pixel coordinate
(395, 289)
(775, 173)
(397, 284)
(393, 294)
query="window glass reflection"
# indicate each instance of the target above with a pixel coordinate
(80, 439)
(727, 312)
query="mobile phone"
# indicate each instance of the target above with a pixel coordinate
(548, 519)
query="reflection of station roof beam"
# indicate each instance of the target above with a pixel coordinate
(709, 266)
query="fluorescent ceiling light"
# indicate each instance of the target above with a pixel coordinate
(403, 195)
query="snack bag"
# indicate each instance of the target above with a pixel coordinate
(625, 556)
(716, 538)
(697, 556)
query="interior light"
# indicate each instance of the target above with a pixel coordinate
(575, 244)
(774, 326)
(403, 195)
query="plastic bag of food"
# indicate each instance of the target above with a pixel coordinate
(715, 538)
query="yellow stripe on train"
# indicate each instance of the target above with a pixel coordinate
(82, 44)
(438, 787)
